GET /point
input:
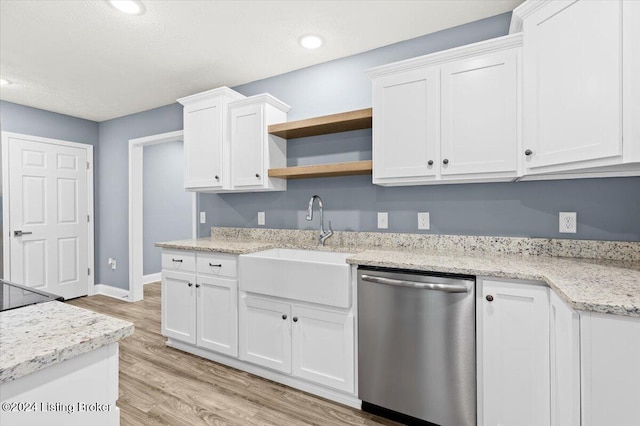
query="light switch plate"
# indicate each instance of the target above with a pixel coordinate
(261, 218)
(424, 221)
(203, 217)
(383, 220)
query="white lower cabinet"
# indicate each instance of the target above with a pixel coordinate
(179, 306)
(308, 342)
(514, 349)
(201, 308)
(564, 356)
(610, 348)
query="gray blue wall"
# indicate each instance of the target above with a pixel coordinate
(607, 208)
(166, 205)
(112, 237)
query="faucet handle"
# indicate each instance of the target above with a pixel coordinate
(330, 229)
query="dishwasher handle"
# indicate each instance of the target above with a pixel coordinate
(447, 288)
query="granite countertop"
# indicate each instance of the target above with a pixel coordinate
(604, 286)
(38, 336)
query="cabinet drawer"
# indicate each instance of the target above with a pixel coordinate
(219, 264)
(178, 260)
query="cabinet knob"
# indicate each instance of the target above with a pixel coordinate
(295, 319)
(217, 177)
(489, 298)
(445, 161)
(284, 316)
(430, 162)
(197, 285)
(528, 152)
(258, 175)
(190, 284)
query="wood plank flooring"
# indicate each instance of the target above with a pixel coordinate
(164, 386)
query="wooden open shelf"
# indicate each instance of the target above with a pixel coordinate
(334, 123)
(323, 170)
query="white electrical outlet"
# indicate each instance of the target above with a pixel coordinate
(568, 222)
(203, 217)
(112, 263)
(383, 220)
(261, 218)
(423, 220)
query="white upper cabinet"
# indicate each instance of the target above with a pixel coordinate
(253, 150)
(480, 115)
(405, 123)
(206, 139)
(580, 85)
(452, 116)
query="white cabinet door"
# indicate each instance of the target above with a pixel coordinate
(610, 349)
(323, 347)
(405, 126)
(480, 113)
(515, 354)
(572, 82)
(265, 333)
(203, 144)
(565, 363)
(179, 306)
(217, 314)
(247, 146)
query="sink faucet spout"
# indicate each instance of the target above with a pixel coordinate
(324, 235)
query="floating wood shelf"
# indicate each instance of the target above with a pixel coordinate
(323, 170)
(335, 123)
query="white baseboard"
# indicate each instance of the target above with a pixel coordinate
(151, 278)
(115, 292)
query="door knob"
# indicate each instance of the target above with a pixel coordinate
(489, 298)
(21, 233)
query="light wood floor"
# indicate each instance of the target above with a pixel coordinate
(163, 386)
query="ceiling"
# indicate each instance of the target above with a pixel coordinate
(85, 59)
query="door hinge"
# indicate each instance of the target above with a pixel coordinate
(88, 165)
(88, 218)
(88, 271)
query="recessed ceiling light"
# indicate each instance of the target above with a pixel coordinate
(130, 7)
(4, 82)
(310, 41)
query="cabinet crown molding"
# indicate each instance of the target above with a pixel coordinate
(209, 94)
(263, 97)
(487, 46)
(524, 10)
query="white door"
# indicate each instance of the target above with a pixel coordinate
(203, 144)
(48, 216)
(265, 333)
(572, 82)
(323, 347)
(406, 125)
(247, 146)
(178, 319)
(565, 363)
(217, 314)
(480, 111)
(515, 353)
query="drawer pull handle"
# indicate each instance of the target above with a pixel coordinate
(219, 265)
(176, 260)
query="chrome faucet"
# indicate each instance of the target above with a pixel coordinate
(324, 235)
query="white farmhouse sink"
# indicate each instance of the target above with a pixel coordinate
(308, 275)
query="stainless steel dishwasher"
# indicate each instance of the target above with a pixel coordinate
(416, 346)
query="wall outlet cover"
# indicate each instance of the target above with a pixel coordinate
(568, 222)
(383, 220)
(261, 218)
(203, 217)
(424, 221)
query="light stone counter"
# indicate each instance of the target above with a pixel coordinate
(38, 336)
(596, 276)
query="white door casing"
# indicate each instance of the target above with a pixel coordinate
(48, 190)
